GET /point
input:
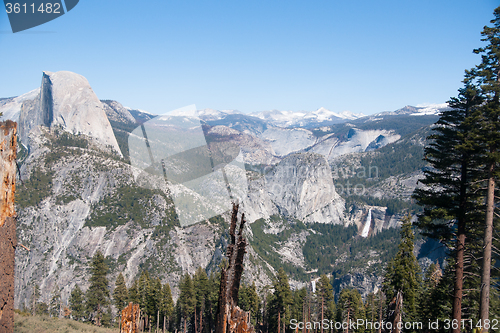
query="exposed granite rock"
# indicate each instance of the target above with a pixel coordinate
(66, 100)
(301, 186)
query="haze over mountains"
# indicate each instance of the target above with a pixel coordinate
(310, 176)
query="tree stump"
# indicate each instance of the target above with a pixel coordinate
(130, 319)
(8, 241)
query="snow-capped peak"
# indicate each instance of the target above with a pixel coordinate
(429, 109)
(315, 118)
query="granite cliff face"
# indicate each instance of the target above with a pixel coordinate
(301, 186)
(64, 100)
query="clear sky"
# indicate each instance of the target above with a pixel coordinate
(363, 56)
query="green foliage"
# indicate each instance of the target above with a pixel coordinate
(38, 307)
(403, 273)
(300, 301)
(167, 303)
(133, 293)
(97, 296)
(249, 300)
(324, 297)
(128, 203)
(38, 324)
(143, 288)
(264, 244)
(282, 300)
(187, 299)
(342, 251)
(66, 139)
(120, 294)
(33, 191)
(350, 307)
(76, 303)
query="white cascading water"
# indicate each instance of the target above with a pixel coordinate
(366, 228)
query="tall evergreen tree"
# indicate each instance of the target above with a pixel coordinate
(300, 305)
(201, 286)
(120, 293)
(324, 295)
(77, 304)
(186, 301)
(371, 310)
(213, 298)
(133, 293)
(487, 75)
(449, 197)
(350, 308)
(167, 304)
(249, 300)
(153, 301)
(403, 273)
(280, 303)
(97, 296)
(143, 290)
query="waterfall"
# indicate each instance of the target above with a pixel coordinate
(368, 222)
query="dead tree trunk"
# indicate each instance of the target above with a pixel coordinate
(8, 241)
(130, 319)
(230, 318)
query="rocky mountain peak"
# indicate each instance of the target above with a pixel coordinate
(66, 100)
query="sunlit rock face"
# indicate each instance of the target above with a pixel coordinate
(302, 187)
(66, 100)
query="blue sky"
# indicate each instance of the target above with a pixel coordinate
(362, 56)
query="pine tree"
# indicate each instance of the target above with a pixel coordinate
(76, 303)
(167, 304)
(187, 300)
(487, 75)
(97, 296)
(120, 294)
(324, 295)
(107, 317)
(371, 310)
(403, 273)
(133, 293)
(432, 277)
(449, 196)
(201, 286)
(249, 300)
(142, 290)
(153, 301)
(299, 305)
(213, 298)
(55, 303)
(280, 303)
(350, 308)
(253, 303)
